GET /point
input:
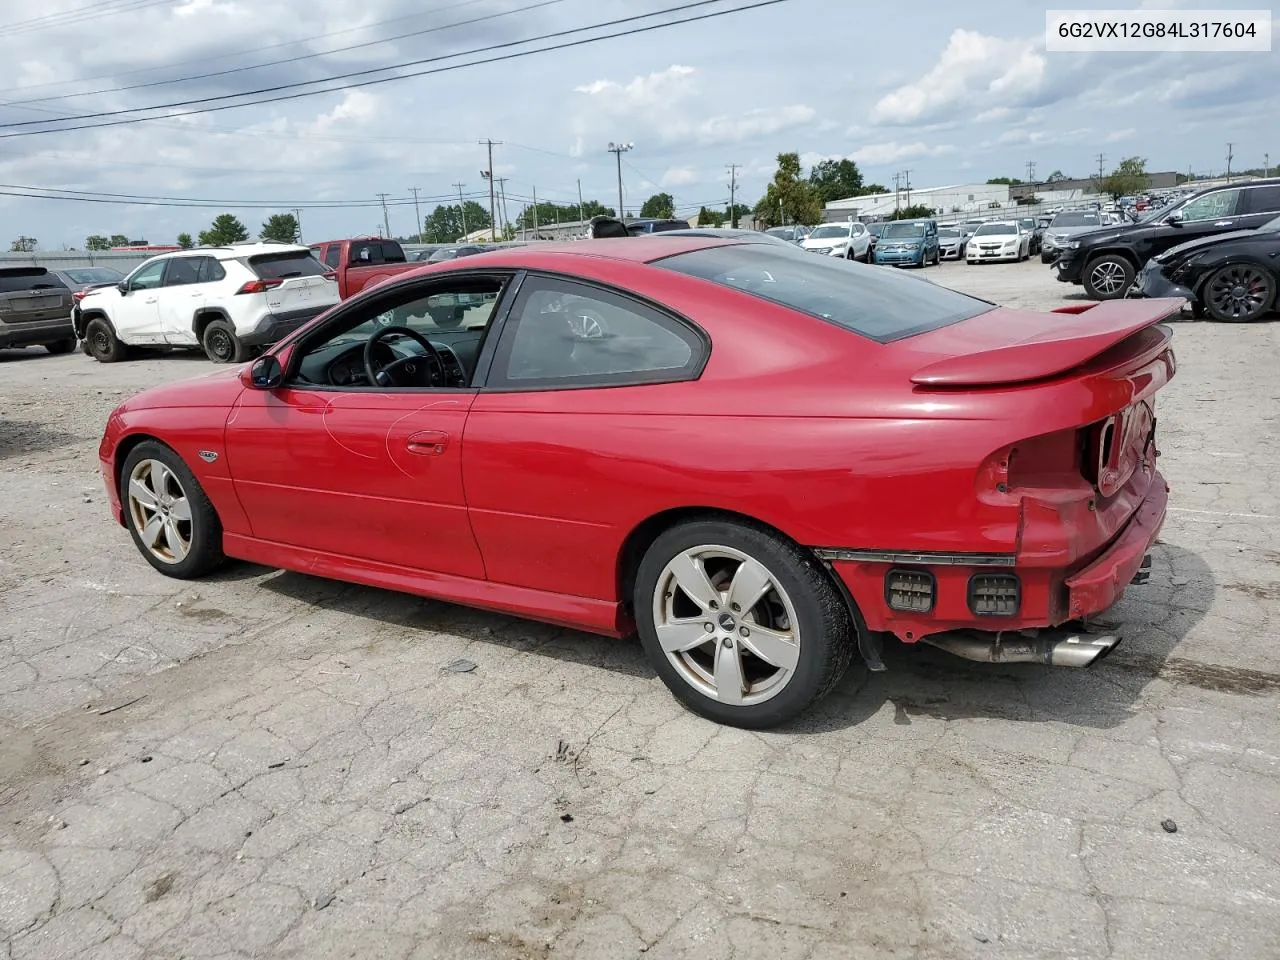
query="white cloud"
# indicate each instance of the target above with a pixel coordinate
(678, 177)
(880, 153)
(1117, 135)
(973, 68)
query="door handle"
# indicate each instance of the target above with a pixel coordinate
(1224, 223)
(428, 443)
(151, 300)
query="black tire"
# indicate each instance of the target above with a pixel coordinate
(1113, 266)
(102, 342)
(826, 629)
(61, 346)
(1219, 305)
(205, 551)
(221, 345)
(937, 256)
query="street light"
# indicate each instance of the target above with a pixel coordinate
(618, 149)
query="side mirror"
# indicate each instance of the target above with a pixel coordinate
(123, 286)
(266, 373)
(1175, 218)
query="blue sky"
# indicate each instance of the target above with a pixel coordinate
(955, 92)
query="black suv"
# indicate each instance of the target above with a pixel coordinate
(1105, 261)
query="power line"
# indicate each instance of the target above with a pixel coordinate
(79, 15)
(365, 83)
(273, 63)
(91, 196)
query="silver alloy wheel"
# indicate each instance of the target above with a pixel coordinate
(726, 625)
(160, 511)
(1239, 292)
(1107, 276)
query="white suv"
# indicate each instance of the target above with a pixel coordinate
(227, 300)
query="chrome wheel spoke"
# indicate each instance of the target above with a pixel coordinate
(774, 648)
(180, 509)
(677, 636)
(173, 537)
(728, 674)
(140, 492)
(151, 532)
(691, 577)
(750, 583)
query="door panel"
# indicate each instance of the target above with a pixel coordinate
(136, 314)
(361, 474)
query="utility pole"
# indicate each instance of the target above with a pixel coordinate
(581, 218)
(906, 175)
(733, 195)
(488, 175)
(1266, 164)
(417, 213)
(386, 219)
(535, 213)
(897, 192)
(1101, 163)
(1229, 146)
(618, 149)
(462, 209)
(297, 218)
(502, 200)
(1031, 171)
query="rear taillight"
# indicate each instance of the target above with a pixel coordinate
(79, 295)
(259, 286)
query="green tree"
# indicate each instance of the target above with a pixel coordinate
(835, 180)
(97, 242)
(1007, 181)
(736, 212)
(226, 228)
(917, 211)
(118, 240)
(788, 198)
(446, 224)
(661, 205)
(1128, 178)
(1056, 177)
(185, 241)
(24, 245)
(710, 218)
(593, 208)
(280, 226)
(873, 190)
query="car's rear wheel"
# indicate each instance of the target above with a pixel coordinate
(104, 345)
(1108, 277)
(221, 345)
(61, 346)
(744, 627)
(173, 524)
(1238, 293)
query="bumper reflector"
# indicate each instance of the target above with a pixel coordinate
(911, 591)
(994, 594)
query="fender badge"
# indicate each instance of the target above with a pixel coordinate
(208, 456)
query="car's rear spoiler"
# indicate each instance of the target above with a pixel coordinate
(1050, 350)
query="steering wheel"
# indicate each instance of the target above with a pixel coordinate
(407, 371)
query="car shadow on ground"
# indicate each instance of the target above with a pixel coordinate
(20, 438)
(920, 682)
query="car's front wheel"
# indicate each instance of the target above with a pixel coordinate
(1108, 277)
(744, 627)
(1238, 293)
(221, 345)
(104, 346)
(173, 524)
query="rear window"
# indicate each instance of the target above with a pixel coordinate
(283, 266)
(22, 279)
(879, 303)
(94, 275)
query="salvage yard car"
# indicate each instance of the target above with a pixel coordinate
(998, 240)
(35, 310)
(362, 262)
(1066, 226)
(1105, 261)
(849, 240)
(762, 460)
(908, 243)
(229, 301)
(1232, 277)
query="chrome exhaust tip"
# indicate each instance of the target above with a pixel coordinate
(1054, 648)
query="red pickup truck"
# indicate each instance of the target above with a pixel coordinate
(362, 262)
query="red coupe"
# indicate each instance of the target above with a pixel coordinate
(760, 460)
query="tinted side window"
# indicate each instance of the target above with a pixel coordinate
(567, 334)
(1264, 199)
(333, 255)
(211, 271)
(1220, 203)
(181, 271)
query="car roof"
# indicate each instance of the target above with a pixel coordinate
(646, 249)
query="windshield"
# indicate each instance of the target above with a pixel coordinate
(949, 232)
(1077, 220)
(786, 233)
(996, 229)
(1028, 222)
(903, 230)
(881, 304)
(89, 275)
(875, 229)
(830, 231)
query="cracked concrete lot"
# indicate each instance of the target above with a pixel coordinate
(268, 765)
